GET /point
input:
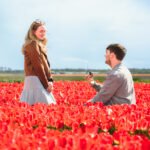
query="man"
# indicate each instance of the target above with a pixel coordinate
(118, 87)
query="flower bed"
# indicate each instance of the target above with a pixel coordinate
(71, 125)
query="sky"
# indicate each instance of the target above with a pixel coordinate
(78, 31)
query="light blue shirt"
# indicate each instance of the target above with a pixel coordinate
(118, 87)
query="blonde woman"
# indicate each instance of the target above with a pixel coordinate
(37, 85)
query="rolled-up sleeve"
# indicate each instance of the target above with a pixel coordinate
(110, 86)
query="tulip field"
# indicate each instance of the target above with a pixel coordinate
(71, 125)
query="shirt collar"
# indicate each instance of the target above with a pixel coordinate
(117, 66)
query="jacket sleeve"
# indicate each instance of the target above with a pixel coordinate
(34, 55)
(110, 86)
(96, 86)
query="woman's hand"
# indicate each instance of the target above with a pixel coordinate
(50, 87)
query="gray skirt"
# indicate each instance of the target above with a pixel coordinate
(34, 92)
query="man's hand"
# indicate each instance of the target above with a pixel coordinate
(89, 77)
(87, 102)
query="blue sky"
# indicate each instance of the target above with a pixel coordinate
(78, 31)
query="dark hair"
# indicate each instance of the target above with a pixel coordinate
(118, 50)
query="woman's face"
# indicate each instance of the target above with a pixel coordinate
(40, 33)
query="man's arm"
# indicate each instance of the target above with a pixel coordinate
(96, 85)
(110, 86)
(93, 83)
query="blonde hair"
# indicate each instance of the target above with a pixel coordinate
(31, 37)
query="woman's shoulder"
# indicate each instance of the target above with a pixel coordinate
(31, 45)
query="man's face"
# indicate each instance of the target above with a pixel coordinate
(108, 57)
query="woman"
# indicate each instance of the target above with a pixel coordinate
(37, 87)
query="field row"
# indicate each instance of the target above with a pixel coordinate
(19, 77)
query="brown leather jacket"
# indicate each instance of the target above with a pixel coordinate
(36, 63)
